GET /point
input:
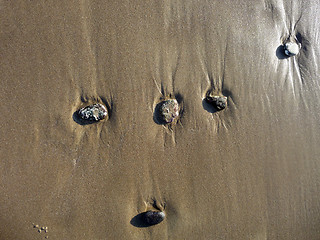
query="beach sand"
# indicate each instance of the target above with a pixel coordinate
(250, 171)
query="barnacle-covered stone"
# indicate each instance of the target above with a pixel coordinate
(153, 217)
(93, 113)
(219, 102)
(291, 48)
(169, 110)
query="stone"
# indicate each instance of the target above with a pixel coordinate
(169, 110)
(219, 102)
(93, 113)
(291, 49)
(154, 217)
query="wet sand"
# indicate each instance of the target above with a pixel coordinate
(250, 171)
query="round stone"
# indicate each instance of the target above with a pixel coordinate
(93, 113)
(219, 102)
(154, 217)
(291, 49)
(169, 110)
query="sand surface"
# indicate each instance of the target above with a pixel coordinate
(251, 171)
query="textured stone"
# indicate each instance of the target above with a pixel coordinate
(169, 110)
(93, 113)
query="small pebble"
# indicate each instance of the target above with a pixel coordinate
(39, 230)
(169, 110)
(219, 102)
(291, 49)
(36, 226)
(154, 217)
(93, 113)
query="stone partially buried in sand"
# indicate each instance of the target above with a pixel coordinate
(218, 102)
(93, 113)
(169, 110)
(291, 49)
(154, 217)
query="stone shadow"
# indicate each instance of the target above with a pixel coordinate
(280, 53)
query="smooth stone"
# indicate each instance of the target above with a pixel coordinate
(94, 113)
(154, 217)
(219, 102)
(291, 49)
(169, 110)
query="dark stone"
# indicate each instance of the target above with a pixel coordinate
(154, 217)
(147, 219)
(219, 102)
(93, 113)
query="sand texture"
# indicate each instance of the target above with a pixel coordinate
(249, 171)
